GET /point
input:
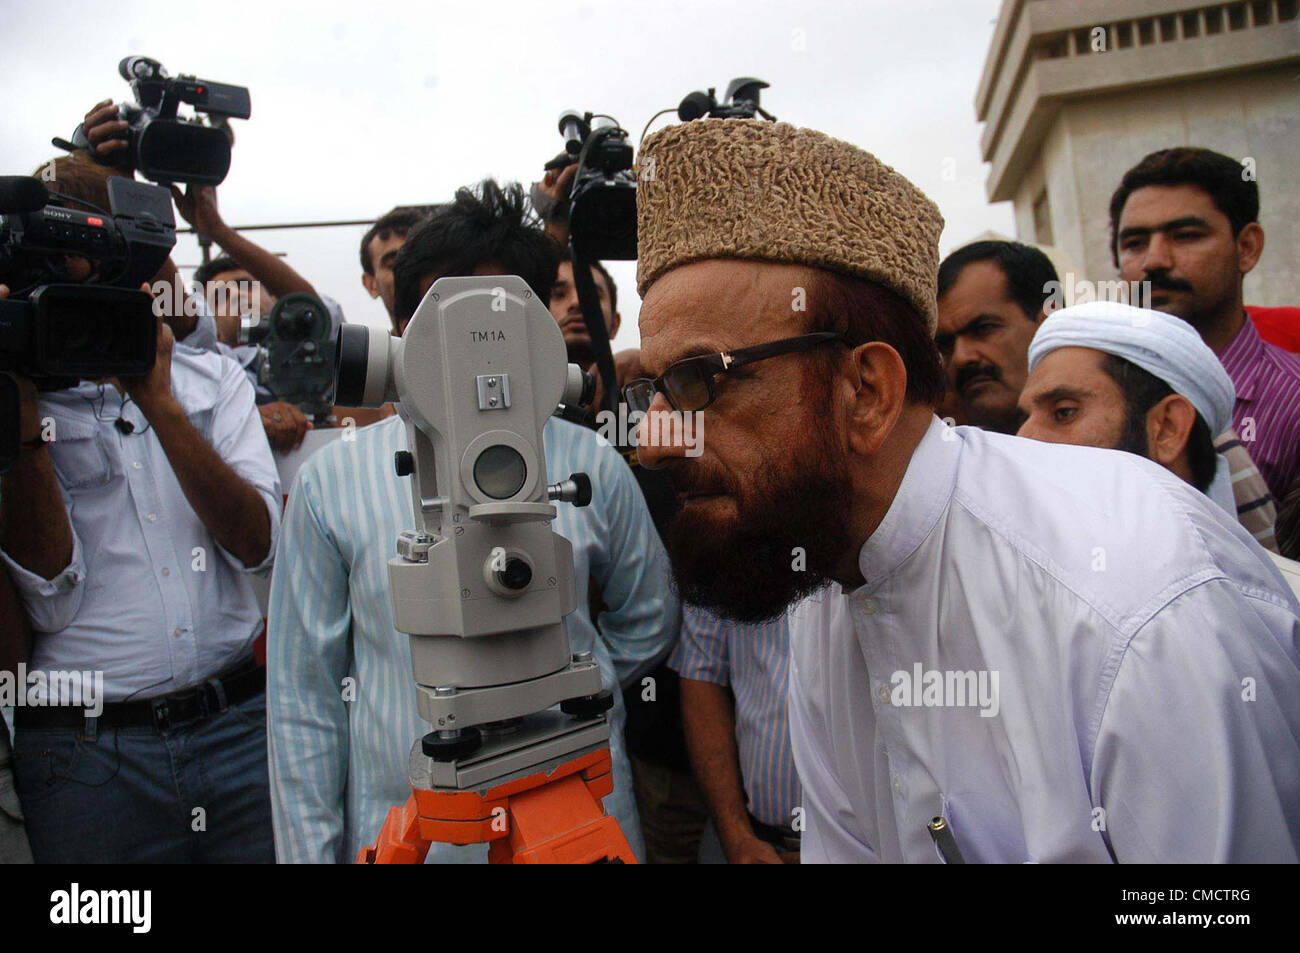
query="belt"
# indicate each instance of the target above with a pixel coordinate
(162, 713)
(782, 838)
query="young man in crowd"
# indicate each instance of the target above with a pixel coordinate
(339, 762)
(1186, 220)
(1112, 375)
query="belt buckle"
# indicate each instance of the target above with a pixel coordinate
(161, 716)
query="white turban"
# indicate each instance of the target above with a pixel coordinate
(1162, 345)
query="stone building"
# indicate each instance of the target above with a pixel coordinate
(1074, 92)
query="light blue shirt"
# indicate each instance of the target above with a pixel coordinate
(753, 660)
(149, 597)
(338, 765)
(1146, 706)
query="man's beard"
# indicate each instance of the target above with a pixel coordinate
(788, 533)
(1133, 436)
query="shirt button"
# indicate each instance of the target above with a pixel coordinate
(898, 785)
(884, 694)
(166, 571)
(152, 517)
(178, 632)
(870, 606)
(136, 465)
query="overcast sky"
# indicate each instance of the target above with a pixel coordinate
(358, 107)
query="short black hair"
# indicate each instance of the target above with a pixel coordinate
(396, 221)
(491, 223)
(1027, 269)
(1142, 390)
(219, 265)
(1220, 177)
(609, 279)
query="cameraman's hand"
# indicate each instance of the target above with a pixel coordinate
(285, 425)
(198, 206)
(557, 183)
(105, 131)
(152, 392)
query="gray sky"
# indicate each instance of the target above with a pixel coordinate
(358, 107)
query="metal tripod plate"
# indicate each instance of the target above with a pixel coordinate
(541, 742)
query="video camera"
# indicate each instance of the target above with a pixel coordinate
(602, 202)
(167, 148)
(57, 332)
(298, 365)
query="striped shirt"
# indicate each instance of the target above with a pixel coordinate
(1267, 413)
(754, 660)
(1256, 510)
(341, 701)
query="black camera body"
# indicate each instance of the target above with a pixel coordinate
(57, 332)
(166, 148)
(298, 367)
(602, 202)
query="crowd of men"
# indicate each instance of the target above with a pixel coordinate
(883, 593)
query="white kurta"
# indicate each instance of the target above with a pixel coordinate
(1147, 660)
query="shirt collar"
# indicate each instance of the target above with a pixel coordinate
(1241, 359)
(921, 499)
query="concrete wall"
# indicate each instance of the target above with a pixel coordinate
(1092, 142)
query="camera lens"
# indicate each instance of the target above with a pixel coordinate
(350, 360)
(500, 471)
(517, 574)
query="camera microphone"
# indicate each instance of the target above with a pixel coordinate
(574, 129)
(21, 194)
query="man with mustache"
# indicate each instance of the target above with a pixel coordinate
(1187, 221)
(1014, 636)
(991, 299)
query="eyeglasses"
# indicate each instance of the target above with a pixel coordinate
(688, 383)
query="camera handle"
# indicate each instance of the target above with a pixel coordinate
(594, 317)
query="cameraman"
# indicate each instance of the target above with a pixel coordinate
(128, 524)
(342, 707)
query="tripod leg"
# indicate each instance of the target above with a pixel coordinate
(560, 822)
(399, 840)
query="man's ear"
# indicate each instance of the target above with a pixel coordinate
(615, 323)
(880, 391)
(1169, 427)
(370, 284)
(1250, 245)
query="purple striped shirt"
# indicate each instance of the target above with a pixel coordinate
(1266, 415)
(754, 660)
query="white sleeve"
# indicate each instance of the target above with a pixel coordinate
(1197, 757)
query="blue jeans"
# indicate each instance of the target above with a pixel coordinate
(196, 793)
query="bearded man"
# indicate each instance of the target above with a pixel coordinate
(1001, 648)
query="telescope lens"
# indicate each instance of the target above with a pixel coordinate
(351, 357)
(500, 471)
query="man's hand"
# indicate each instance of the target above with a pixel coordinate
(153, 391)
(198, 206)
(106, 132)
(285, 425)
(751, 850)
(557, 183)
